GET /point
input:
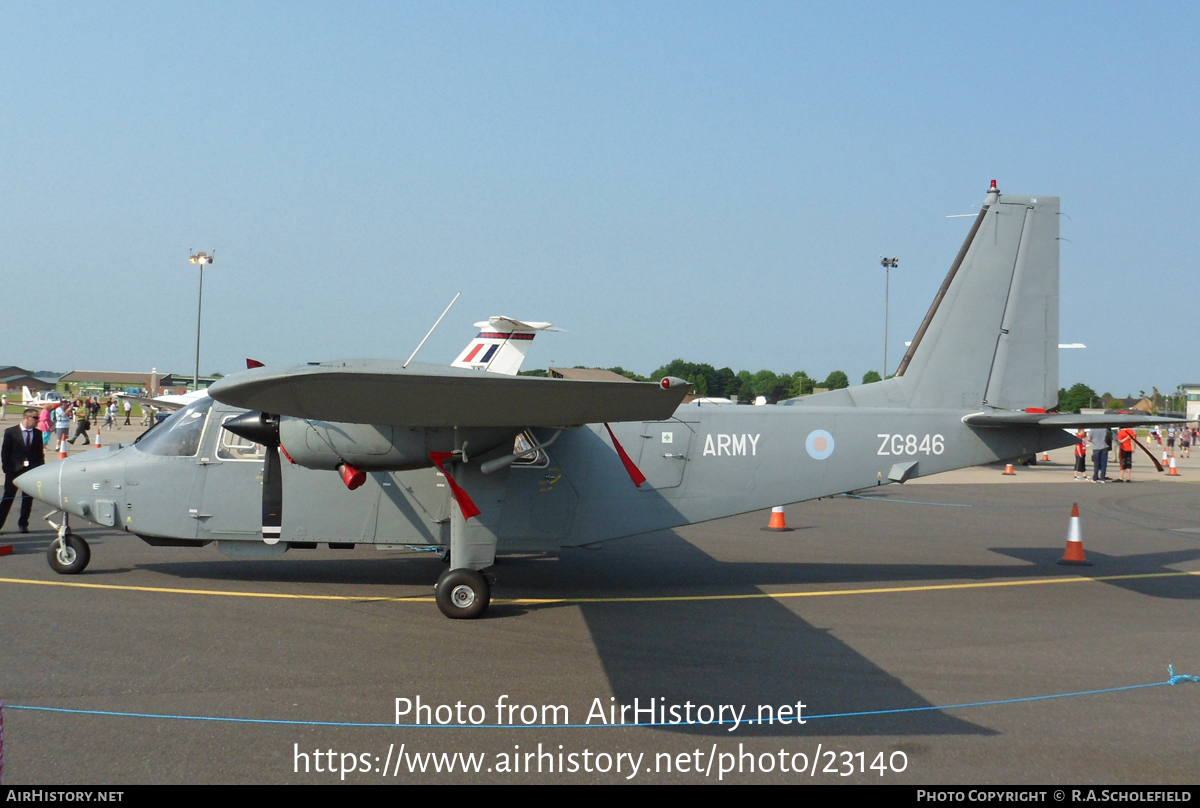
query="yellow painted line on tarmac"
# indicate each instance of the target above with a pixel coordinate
(226, 593)
(645, 599)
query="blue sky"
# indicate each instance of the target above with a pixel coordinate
(706, 181)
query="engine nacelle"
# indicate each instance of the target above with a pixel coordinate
(379, 447)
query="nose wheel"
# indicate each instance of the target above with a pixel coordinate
(463, 594)
(68, 554)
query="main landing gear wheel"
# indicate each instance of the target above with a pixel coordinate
(70, 556)
(463, 594)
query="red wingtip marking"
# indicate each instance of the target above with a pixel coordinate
(253, 363)
(635, 473)
(460, 496)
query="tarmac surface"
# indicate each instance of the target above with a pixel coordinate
(898, 600)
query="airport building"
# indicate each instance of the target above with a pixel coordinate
(13, 378)
(104, 382)
(1192, 391)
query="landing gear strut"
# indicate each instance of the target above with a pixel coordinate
(68, 554)
(462, 591)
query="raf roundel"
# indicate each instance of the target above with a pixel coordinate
(819, 444)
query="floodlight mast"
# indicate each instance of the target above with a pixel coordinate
(200, 258)
(888, 265)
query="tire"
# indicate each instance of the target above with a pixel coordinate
(73, 560)
(463, 594)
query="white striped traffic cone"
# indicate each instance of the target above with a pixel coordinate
(1074, 556)
(778, 523)
(1171, 472)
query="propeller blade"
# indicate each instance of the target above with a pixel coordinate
(1149, 454)
(272, 500)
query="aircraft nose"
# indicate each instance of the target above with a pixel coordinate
(42, 483)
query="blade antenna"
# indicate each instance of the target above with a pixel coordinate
(435, 325)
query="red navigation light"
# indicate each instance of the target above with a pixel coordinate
(994, 188)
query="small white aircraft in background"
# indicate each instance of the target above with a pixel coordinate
(28, 399)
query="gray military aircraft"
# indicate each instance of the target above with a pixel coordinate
(455, 457)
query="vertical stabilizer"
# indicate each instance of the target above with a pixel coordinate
(501, 345)
(991, 335)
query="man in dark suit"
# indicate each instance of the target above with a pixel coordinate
(21, 451)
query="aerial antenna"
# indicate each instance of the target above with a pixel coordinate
(435, 325)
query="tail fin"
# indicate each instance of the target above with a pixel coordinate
(501, 345)
(991, 335)
(26, 395)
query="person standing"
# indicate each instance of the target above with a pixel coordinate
(1099, 454)
(4, 407)
(1171, 439)
(128, 409)
(21, 451)
(45, 424)
(62, 421)
(1185, 442)
(1125, 440)
(82, 425)
(1080, 455)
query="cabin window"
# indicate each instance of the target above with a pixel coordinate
(235, 447)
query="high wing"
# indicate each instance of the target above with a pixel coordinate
(1055, 420)
(384, 392)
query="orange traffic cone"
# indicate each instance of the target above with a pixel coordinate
(1008, 471)
(1074, 553)
(1166, 458)
(96, 443)
(62, 448)
(778, 523)
(1171, 472)
(1045, 457)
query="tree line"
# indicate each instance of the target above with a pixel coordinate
(745, 385)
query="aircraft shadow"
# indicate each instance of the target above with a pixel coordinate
(1180, 587)
(752, 652)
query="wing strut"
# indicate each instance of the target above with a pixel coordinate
(464, 502)
(635, 473)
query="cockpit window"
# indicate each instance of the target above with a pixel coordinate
(179, 435)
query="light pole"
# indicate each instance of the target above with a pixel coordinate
(201, 259)
(888, 265)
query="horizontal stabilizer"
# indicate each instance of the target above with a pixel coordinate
(500, 346)
(382, 392)
(1066, 421)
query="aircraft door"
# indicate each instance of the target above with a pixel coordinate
(229, 486)
(164, 484)
(666, 449)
